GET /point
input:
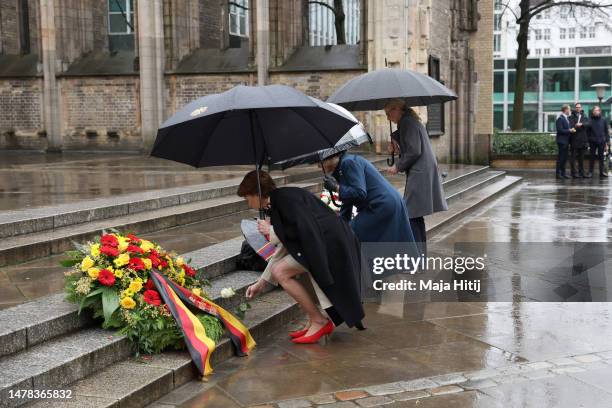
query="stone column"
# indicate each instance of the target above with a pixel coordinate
(151, 59)
(51, 104)
(263, 41)
(481, 43)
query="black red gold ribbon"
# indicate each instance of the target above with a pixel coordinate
(199, 345)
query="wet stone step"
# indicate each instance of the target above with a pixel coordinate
(59, 361)
(465, 187)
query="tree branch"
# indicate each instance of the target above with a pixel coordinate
(320, 3)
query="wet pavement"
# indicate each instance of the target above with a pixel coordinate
(435, 354)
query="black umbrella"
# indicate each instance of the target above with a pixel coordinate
(356, 136)
(371, 91)
(249, 125)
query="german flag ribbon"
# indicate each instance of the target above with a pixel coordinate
(199, 345)
(239, 335)
(267, 251)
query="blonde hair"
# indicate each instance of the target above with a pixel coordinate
(401, 104)
(396, 103)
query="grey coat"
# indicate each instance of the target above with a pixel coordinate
(423, 193)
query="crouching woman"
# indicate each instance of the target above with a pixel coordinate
(312, 241)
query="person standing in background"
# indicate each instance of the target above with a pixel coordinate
(578, 141)
(564, 130)
(599, 138)
(423, 193)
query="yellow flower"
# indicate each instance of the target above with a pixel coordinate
(118, 272)
(93, 273)
(127, 293)
(95, 250)
(197, 291)
(135, 286)
(123, 244)
(146, 245)
(182, 281)
(87, 263)
(147, 263)
(127, 303)
(179, 261)
(121, 260)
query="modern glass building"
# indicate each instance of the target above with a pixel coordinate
(550, 83)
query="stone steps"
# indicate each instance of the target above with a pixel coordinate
(26, 247)
(51, 351)
(130, 381)
(19, 222)
(463, 187)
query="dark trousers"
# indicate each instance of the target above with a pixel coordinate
(417, 225)
(561, 159)
(577, 156)
(597, 151)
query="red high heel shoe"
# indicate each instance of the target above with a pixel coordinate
(313, 338)
(298, 333)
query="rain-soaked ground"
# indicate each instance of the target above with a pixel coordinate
(445, 354)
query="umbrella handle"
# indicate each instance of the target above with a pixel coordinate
(391, 160)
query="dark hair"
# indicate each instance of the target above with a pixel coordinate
(248, 186)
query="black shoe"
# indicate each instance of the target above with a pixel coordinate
(581, 176)
(565, 176)
(558, 176)
(603, 175)
(575, 176)
(589, 175)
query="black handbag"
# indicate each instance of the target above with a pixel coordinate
(249, 260)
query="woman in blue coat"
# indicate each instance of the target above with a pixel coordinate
(382, 215)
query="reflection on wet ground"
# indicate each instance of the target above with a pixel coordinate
(408, 340)
(30, 180)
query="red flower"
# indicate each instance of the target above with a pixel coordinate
(152, 297)
(155, 261)
(189, 271)
(135, 249)
(136, 264)
(109, 251)
(133, 239)
(163, 263)
(109, 240)
(106, 277)
(149, 284)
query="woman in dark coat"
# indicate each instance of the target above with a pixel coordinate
(311, 240)
(381, 212)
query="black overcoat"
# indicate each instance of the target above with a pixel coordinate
(325, 245)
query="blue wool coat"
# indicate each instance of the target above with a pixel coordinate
(382, 214)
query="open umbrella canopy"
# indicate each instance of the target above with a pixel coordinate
(371, 91)
(249, 125)
(354, 137)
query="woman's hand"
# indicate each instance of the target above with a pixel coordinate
(392, 170)
(255, 289)
(263, 226)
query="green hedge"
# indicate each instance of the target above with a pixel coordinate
(524, 143)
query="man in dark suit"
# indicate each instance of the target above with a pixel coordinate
(564, 130)
(578, 140)
(599, 138)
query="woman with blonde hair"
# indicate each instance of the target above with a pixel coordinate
(423, 192)
(311, 241)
